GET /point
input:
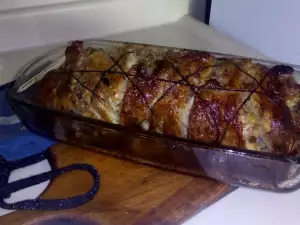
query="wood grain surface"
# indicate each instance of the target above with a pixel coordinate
(130, 193)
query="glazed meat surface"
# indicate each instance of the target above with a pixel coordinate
(181, 93)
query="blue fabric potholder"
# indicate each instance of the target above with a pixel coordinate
(19, 148)
(16, 141)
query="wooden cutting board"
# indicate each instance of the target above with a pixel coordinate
(131, 193)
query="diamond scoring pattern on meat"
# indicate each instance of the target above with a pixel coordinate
(183, 93)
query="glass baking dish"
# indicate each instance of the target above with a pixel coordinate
(236, 167)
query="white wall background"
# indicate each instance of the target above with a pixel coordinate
(271, 26)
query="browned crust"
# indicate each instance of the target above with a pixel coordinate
(214, 118)
(159, 87)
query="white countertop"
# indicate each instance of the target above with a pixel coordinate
(251, 207)
(241, 207)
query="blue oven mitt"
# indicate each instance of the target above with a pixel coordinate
(19, 148)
